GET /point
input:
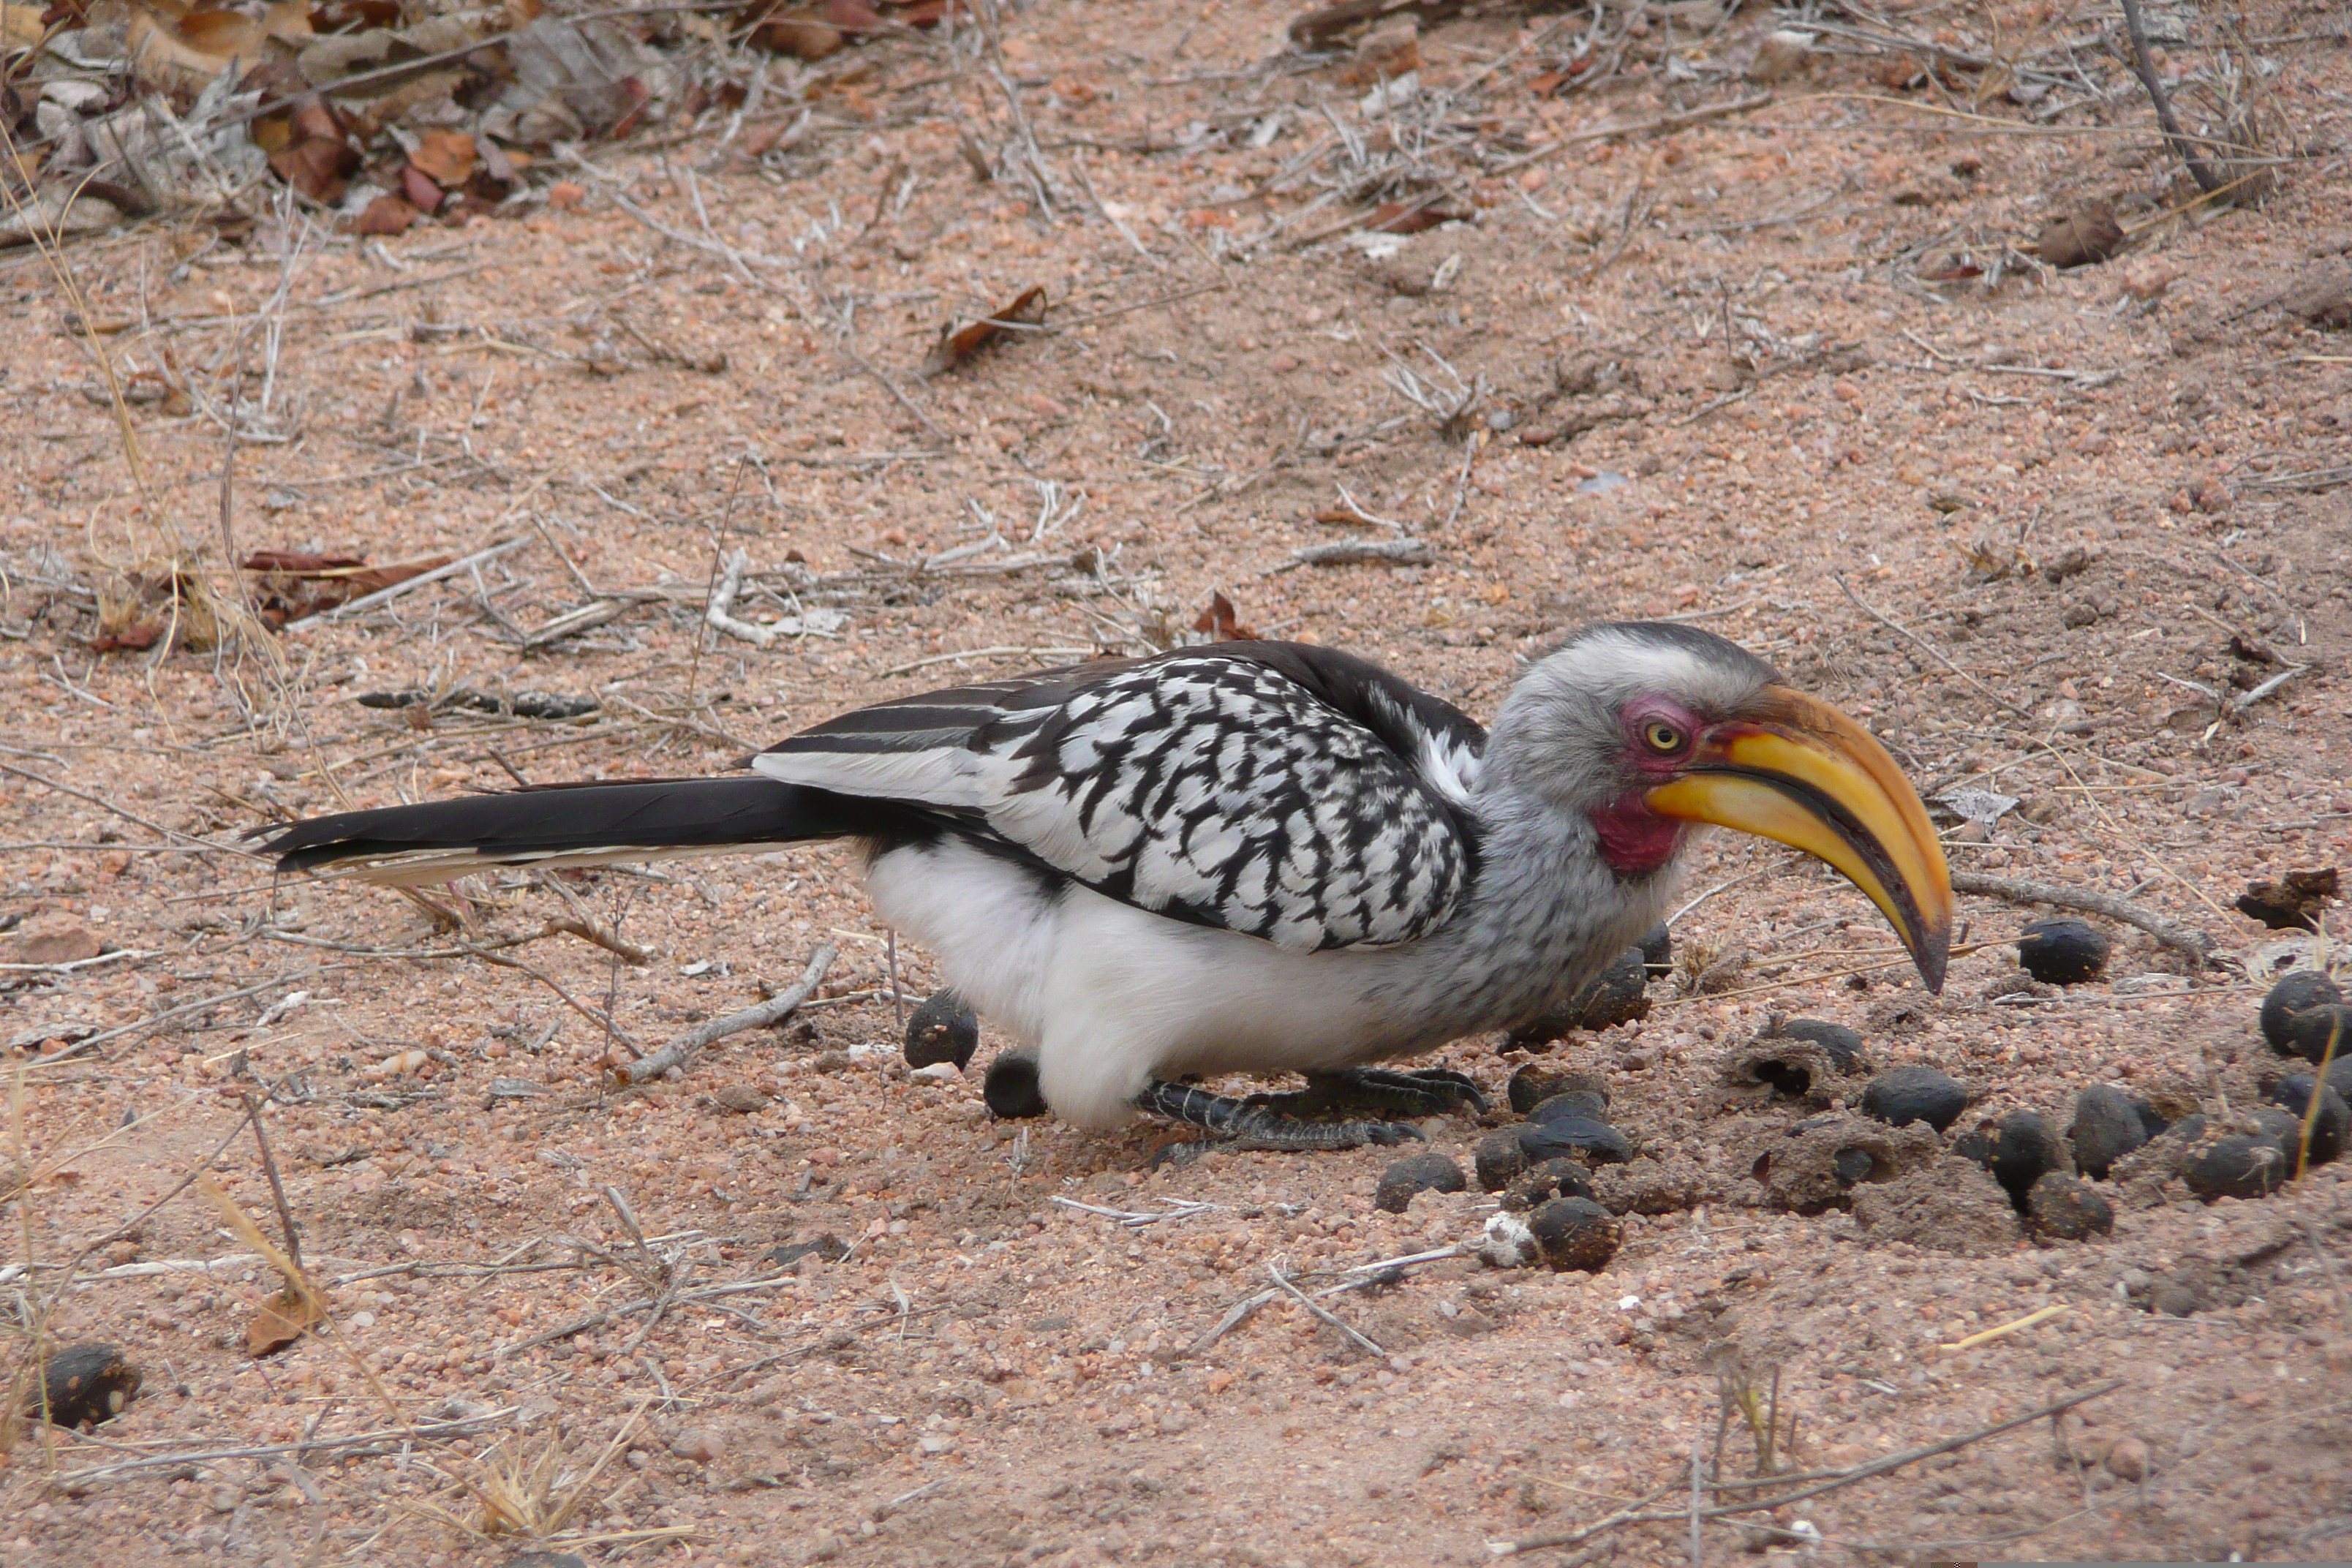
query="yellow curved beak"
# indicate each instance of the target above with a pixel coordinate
(1802, 773)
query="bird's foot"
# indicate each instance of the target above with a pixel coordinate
(1255, 1123)
(1432, 1092)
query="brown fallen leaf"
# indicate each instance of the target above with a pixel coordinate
(2087, 235)
(419, 189)
(296, 584)
(959, 344)
(1404, 217)
(280, 1321)
(385, 216)
(445, 157)
(2294, 902)
(1219, 621)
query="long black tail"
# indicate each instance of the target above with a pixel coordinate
(575, 825)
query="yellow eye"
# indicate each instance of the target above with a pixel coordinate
(1662, 736)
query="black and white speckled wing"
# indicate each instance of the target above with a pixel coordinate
(1275, 789)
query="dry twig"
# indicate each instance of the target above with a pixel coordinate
(683, 1049)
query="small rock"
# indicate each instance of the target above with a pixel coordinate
(1498, 1160)
(2175, 1299)
(56, 937)
(2324, 296)
(742, 1098)
(1508, 1243)
(698, 1444)
(943, 1029)
(1575, 1232)
(2108, 1125)
(1573, 1138)
(2087, 235)
(2127, 1459)
(1589, 1104)
(1531, 1085)
(828, 1246)
(1430, 1173)
(2062, 951)
(2067, 1208)
(1900, 1095)
(2329, 1130)
(85, 1383)
(2024, 1151)
(2298, 991)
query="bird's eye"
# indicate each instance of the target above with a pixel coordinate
(1662, 736)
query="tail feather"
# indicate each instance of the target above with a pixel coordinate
(573, 825)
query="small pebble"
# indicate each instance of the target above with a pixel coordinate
(2108, 1125)
(2127, 1459)
(739, 1098)
(1575, 1232)
(1532, 1085)
(698, 1444)
(82, 1384)
(2062, 951)
(1900, 1095)
(2176, 1299)
(2296, 990)
(2022, 1152)
(2067, 1208)
(943, 1029)
(1430, 1173)
(1843, 1045)
(1498, 1160)
(1573, 1138)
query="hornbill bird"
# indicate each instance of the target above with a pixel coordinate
(1254, 856)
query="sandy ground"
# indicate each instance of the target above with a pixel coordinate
(1789, 369)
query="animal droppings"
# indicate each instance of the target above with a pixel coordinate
(1657, 947)
(2251, 1161)
(2067, 1208)
(1573, 1138)
(2108, 1125)
(1900, 1095)
(1575, 1232)
(1011, 1089)
(2329, 1129)
(943, 1029)
(1508, 1243)
(1430, 1173)
(2321, 1034)
(2062, 951)
(1842, 1044)
(2022, 1151)
(1498, 1160)
(1531, 1085)
(1587, 1103)
(1552, 1179)
(2298, 991)
(85, 1384)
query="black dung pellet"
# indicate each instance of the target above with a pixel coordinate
(1658, 950)
(942, 1030)
(1498, 1160)
(1581, 1102)
(1552, 1179)
(1531, 1085)
(2244, 1165)
(1618, 996)
(1576, 1233)
(1011, 1089)
(85, 1383)
(2024, 1151)
(2296, 990)
(2067, 1208)
(2321, 1034)
(1844, 1045)
(2329, 1129)
(2062, 951)
(2108, 1125)
(1900, 1095)
(1431, 1172)
(1573, 1138)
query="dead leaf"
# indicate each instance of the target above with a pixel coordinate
(298, 583)
(354, 16)
(319, 167)
(446, 157)
(385, 215)
(801, 34)
(1218, 620)
(280, 1321)
(418, 187)
(1406, 217)
(959, 344)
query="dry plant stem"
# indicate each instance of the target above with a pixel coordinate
(2144, 67)
(2018, 890)
(1924, 646)
(682, 1050)
(1846, 1479)
(2319, 1081)
(1361, 1342)
(391, 1435)
(277, 1187)
(409, 585)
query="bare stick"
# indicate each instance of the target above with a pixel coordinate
(682, 1050)
(276, 1187)
(385, 595)
(2144, 68)
(598, 934)
(1357, 552)
(1698, 1505)
(1323, 1313)
(1930, 650)
(720, 610)
(2018, 890)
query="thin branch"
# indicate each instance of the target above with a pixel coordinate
(2144, 68)
(2017, 890)
(682, 1050)
(1283, 1280)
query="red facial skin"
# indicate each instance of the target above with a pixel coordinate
(1635, 840)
